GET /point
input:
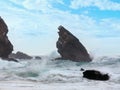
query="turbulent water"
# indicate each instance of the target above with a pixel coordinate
(50, 71)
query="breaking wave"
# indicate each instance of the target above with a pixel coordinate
(48, 70)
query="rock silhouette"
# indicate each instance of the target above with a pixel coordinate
(6, 47)
(70, 48)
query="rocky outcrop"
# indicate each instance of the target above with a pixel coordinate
(5, 45)
(70, 48)
(20, 55)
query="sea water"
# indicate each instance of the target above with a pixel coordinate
(50, 74)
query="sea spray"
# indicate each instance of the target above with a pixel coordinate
(59, 71)
(33, 69)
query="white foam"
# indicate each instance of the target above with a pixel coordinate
(25, 85)
(66, 75)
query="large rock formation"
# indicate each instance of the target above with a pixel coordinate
(70, 48)
(5, 45)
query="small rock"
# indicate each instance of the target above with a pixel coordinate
(37, 57)
(20, 55)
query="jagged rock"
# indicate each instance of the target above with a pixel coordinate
(20, 55)
(6, 47)
(95, 75)
(70, 48)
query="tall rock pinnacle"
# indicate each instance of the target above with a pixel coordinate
(70, 48)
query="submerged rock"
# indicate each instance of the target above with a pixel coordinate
(95, 75)
(20, 55)
(70, 47)
(6, 47)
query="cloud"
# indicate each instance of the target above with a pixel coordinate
(36, 4)
(111, 24)
(49, 19)
(101, 4)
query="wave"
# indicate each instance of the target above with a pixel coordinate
(62, 71)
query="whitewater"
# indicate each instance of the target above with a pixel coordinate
(50, 74)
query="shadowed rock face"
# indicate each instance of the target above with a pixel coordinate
(5, 45)
(70, 48)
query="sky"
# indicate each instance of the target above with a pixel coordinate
(33, 24)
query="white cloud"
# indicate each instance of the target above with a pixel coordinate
(36, 4)
(101, 4)
(17, 1)
(111, 24)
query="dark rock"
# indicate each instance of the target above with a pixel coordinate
(20, 55)
(81, 69)
(95, 75)
(6, 47)
(70, 47)
(37, 57)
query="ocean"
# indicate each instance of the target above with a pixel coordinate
(49, 74)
